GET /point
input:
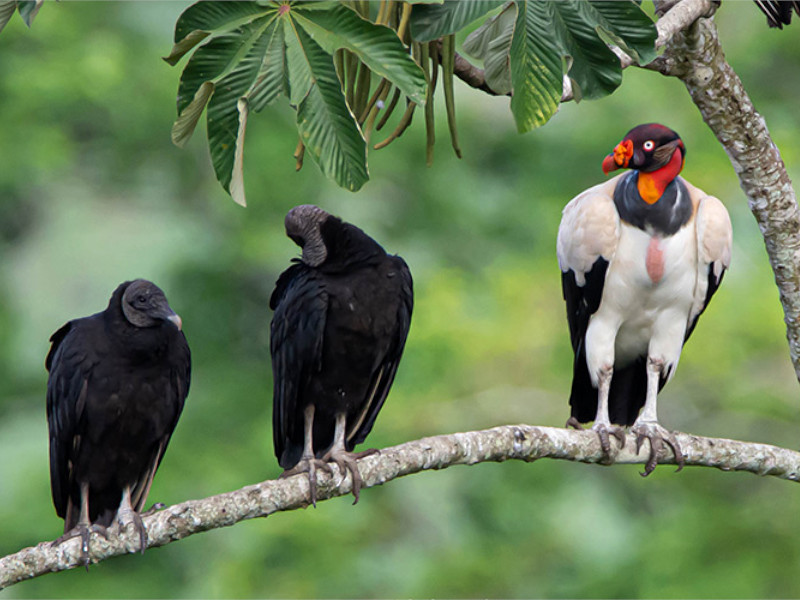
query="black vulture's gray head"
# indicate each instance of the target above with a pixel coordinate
(303, 226)
(145, 305)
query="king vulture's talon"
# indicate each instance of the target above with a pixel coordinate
(604, 432)
(619, 433)
(658, 436)
(605, 443)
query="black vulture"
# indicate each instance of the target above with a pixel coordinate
(342, 314)
(641, 255)
(118, 381)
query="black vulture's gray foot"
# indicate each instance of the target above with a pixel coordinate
(310, 466)
(347, 461)
(153, 509)
(603, 431)
(574, 423)
(83, 531)
(127, 517)
(658, 436)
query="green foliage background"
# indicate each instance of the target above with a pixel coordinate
(92, 193)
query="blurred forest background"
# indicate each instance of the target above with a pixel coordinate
(92, 192)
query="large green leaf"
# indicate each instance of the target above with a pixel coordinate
(204, 18)
(273, 78)
(551, 37)
(593, 67)
(491, 43)
(327, 127)
(28, 9)
(628, 27)
(536, 70)
(376, 46)
(220, 55)
(224, 118)
(431, 21)
(7, 8)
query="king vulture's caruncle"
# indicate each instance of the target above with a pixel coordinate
(640, 255)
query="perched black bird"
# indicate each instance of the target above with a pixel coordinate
(118, 381)
(342, 314)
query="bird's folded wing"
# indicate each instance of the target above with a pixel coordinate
(587, 242)
(297, 334)
(383, 376)
(714, 240)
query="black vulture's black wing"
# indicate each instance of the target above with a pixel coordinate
(179, 361)
(383, 376)
(70, 363)
(296, 337)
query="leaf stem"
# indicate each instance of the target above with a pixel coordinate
(383, 88)
(401, 29)
(405, 121)
(384, 83)
(362, 89)
(352, 71)
(383, 13)
(299, 154)
(448, 59)
(430, 65)
(389, 109)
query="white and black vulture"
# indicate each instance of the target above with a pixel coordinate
(117, 384)
(342, 314)
(641, 255)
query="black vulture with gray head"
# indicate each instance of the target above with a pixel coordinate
(342, 314)
(118, 381)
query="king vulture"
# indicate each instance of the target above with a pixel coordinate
(641, 255)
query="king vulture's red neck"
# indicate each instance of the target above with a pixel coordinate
(651, 185)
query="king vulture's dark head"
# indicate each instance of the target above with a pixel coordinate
(647, 148)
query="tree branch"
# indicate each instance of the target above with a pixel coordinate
(520, 442)
(697, 59)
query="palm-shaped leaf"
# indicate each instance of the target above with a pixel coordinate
(252, 53)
